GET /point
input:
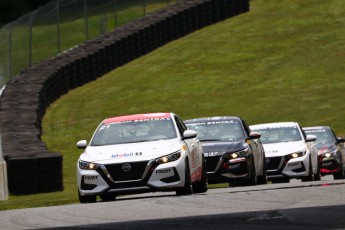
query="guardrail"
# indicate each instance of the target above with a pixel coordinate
(31, 167)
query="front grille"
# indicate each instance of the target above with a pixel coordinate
(273, 163)
(211, 163)
(331, 165)
(136, 171)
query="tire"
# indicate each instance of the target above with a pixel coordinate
(317, 176)
(108, 197)
(253, 178)
(202, 185)
(187, 189)
(51, 186)
(262, 179)
(341, 174)
(22, 175)
(48, 162)
(87, 199)
(237, 183)
(280, 180)
(310, 176)
(23, 189)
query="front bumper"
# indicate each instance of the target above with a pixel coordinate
(284, 167)
(329, 165)
(221, 169)
(144, 177)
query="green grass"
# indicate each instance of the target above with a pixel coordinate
(282, 61)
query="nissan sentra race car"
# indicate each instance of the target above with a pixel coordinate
(331, 151)
(289, 152)
(140, 153)
(232, 151)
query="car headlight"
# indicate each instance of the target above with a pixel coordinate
(239, 154)
(87, 165)
(331, 154)
(169, 158)
(298, 154)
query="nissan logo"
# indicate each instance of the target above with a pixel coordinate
(126, 167)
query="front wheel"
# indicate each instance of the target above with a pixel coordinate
(280, 180)
(262, 179)
(310, 176)
(317, 176)
(201, 186)
(253, 178)
(107, 197)
(187, 189)
(87, 198)
(340, 174)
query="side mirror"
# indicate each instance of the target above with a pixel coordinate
(189, 134)
(254, 135)
(340, 139)
(81, 144)
(310, 138)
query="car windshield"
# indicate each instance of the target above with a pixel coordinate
(134, 131)
(218, 130)
(279, 134)
(323, 136)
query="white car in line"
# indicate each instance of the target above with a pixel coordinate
(140, 153)
(289, 152)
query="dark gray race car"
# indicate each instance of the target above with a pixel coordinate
(232, 151)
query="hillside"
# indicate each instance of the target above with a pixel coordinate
(282, 61)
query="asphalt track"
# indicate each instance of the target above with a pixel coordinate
(294, 205)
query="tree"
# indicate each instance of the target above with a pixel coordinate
(11, 10)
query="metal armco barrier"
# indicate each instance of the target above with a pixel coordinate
(31, 167)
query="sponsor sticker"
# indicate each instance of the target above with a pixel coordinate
(327, 164)
(126, 155)
(236, 166)
(165, 172)
(315, 131)
(295, 164)
(213, 154)
(90, 178)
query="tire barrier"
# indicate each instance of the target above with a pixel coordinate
(31, 167)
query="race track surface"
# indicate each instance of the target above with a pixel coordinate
(294, 205)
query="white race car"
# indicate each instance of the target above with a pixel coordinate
(289, 152)
(140, 153)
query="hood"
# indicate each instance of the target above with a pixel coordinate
(141, 151)
(325, 147)
(214, 148)
(283, 148)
